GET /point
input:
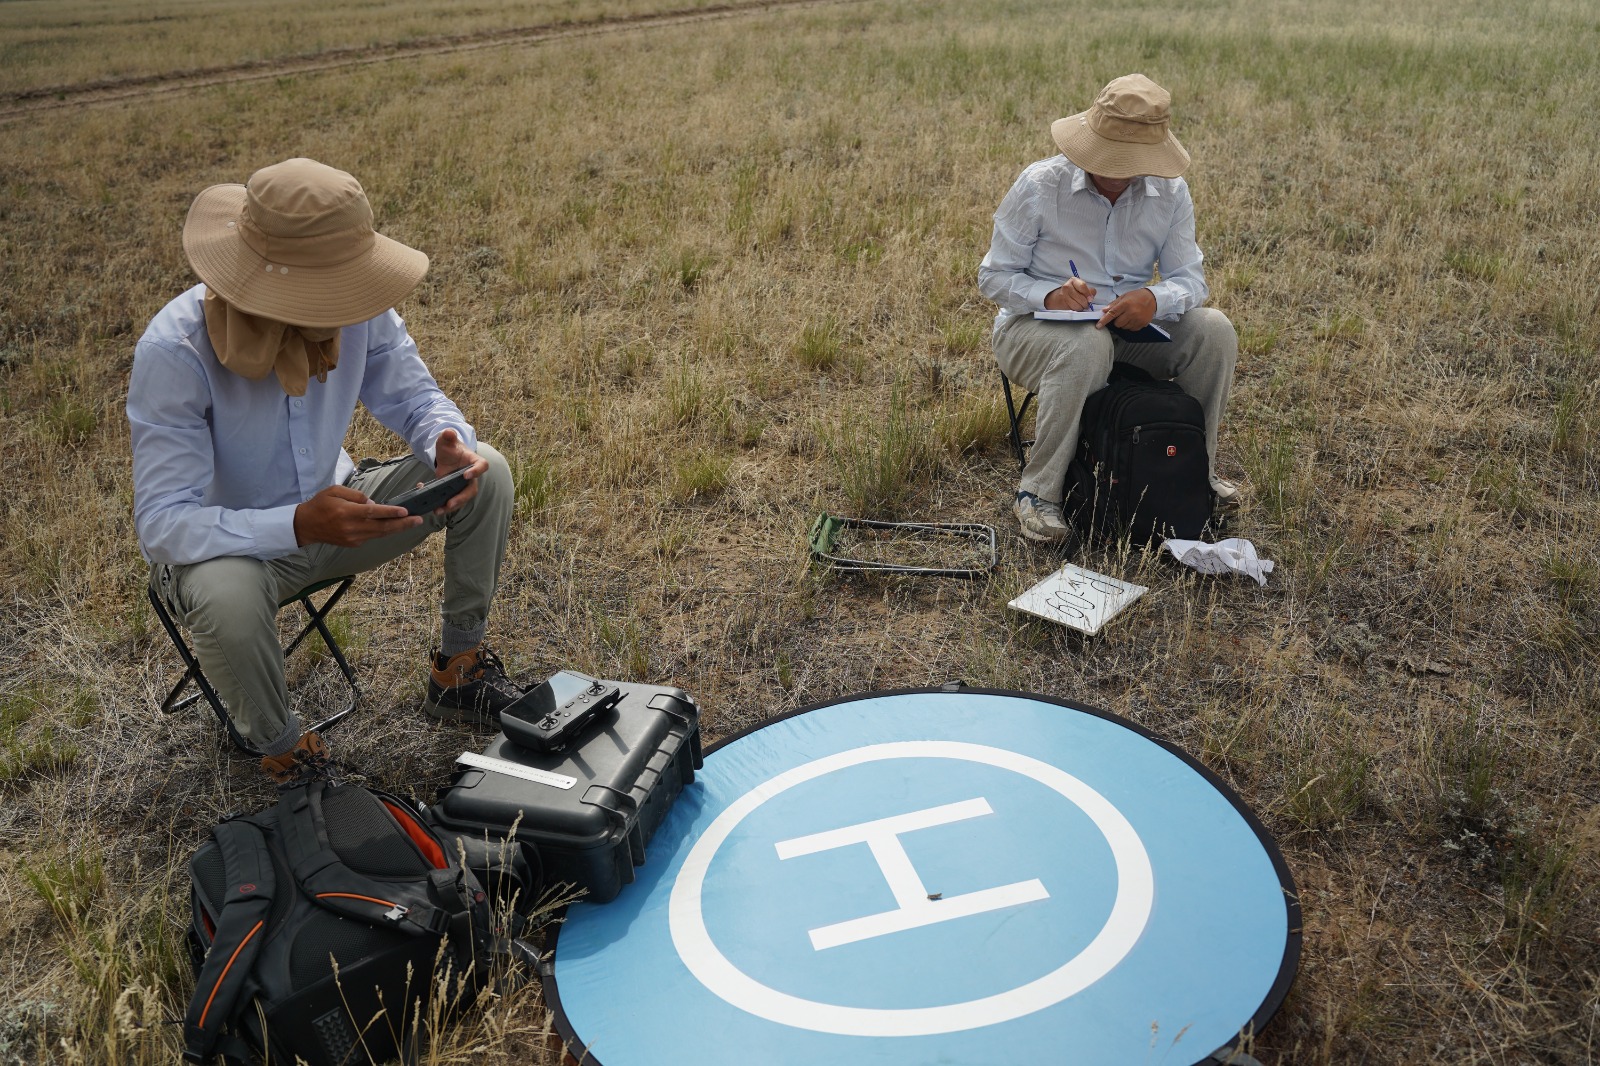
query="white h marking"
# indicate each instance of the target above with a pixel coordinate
(915, 909)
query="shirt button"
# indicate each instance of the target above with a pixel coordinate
(302, 451)
(299, 403)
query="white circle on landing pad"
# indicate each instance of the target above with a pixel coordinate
(1134, 893)
(963, 877)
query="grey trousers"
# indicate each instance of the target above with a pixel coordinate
(230, 604)
(1063, 362)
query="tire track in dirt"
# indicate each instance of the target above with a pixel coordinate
(22, 103)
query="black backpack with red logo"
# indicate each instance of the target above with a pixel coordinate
(1141, 467)
(325, 927)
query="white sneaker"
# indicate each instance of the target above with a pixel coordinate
(1041, 520)
(1228, 492)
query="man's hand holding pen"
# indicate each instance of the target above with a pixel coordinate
(1075, 295)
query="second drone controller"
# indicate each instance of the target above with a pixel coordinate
(554, 730)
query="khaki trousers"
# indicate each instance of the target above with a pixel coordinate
(1063, 362)
(230, 604)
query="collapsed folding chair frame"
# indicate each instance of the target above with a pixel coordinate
(316, 622)
(824, 535)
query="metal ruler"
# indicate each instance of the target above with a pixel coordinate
(511, 769)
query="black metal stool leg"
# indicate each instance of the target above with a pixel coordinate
(192, 672)
(317, 621)
(1019, 447)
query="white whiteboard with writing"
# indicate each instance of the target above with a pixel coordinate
(1079, 598)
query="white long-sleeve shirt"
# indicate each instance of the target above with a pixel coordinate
(220, 462)
(1054, 216)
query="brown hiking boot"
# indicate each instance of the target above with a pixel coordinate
(471, 687)
(307, 761)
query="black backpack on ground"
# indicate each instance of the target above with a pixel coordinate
(324, 927)
(1141, 466)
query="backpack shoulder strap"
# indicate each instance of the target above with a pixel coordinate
(241, 929)
(407, 906)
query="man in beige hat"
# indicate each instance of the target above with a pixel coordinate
(1085, 230)
(241, 394)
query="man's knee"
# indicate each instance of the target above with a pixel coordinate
(496, 482)
(1034, 353)
(1216, 332)
(498, 476)
(491, 508)
(232, 597)
(1078, 369)
(495, 495)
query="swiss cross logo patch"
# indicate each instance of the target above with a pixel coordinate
(1172, 449)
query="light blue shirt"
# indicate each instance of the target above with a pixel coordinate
(220, 462)
(1054, 214)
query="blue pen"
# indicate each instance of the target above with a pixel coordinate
(1074, 267)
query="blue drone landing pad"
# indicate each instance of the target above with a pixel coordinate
(939, 876)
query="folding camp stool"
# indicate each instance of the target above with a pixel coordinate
(316, 621)
(1019, 447)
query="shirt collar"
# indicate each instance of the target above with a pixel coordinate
(1080, 182)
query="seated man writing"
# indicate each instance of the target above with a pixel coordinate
(1086, 230)
(241, 394)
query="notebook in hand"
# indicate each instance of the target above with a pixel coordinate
(1150, 334)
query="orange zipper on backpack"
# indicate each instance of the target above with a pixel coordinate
(352, 895)
(223, 976)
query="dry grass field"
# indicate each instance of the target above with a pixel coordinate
(703, 281)
(55, 46)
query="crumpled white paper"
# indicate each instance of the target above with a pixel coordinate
(1234, 555)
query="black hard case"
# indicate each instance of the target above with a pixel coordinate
(630, 764)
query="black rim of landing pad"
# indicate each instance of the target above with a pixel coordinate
(1291, 894)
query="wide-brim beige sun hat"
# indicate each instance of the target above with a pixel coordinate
(1126, 133)
(296, 245)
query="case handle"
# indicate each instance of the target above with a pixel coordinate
(629, 804)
